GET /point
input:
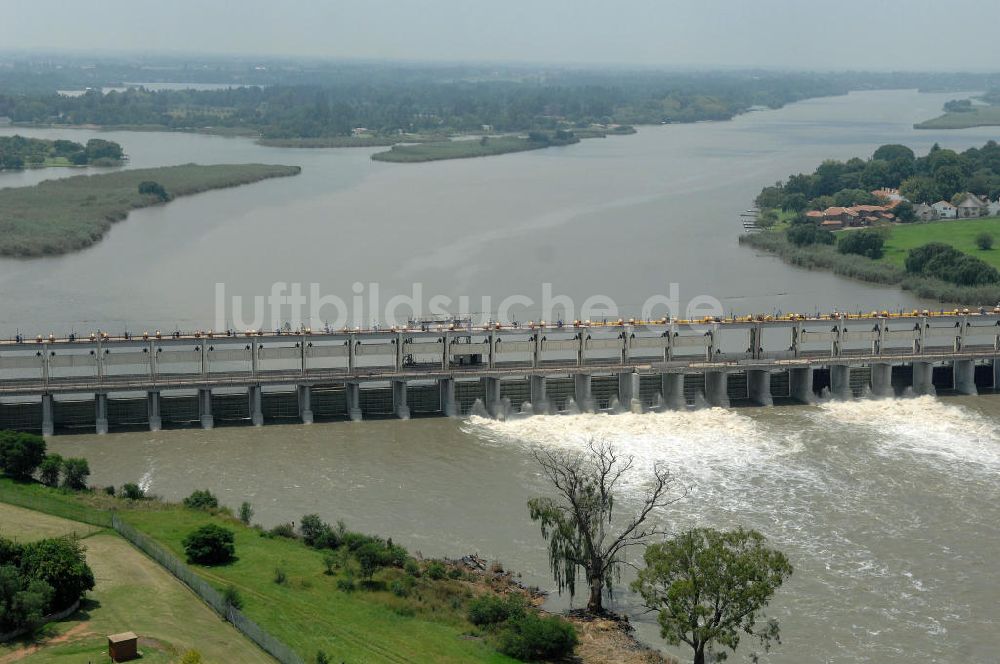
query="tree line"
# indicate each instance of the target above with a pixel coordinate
(18, 152)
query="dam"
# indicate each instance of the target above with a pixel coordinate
(106, 383)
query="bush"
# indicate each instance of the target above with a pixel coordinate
(21, 453)
(347, 585)
(232, 597)
(246, 513)
(867, 243)
(49, 470)
(435, 570)
(286, 530)
(23, 601)
(280, 577)
(941, 261)
(210, 545)
(316, 533)
(531, 637)
(191, 657)
(808, 233)
(201, 499)
(132, 491)
(59, 562)
(984, 241)
(329, 564)
(75, 474)
(149, 188)
(489, 609)
(411, 567)
(323, 658)
(109, 490)
(399, 589)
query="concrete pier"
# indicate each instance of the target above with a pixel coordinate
(672, 390)
(923, 378)
(256, 408)
(448, 405)
(716, 389)
(48, 422)
(628, 392)
(399, 407)
(305, 404)
(101, 407)
(205, 408)
(759, 387)
(965, 377)
(354, 402)
(882, 380)
(583, 396)
(800, 384)
(491, 390)
(840, 382)
(153, 410)
(537, 395)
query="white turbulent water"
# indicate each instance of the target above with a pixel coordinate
(879, 504)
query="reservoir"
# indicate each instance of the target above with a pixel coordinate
(888, 509)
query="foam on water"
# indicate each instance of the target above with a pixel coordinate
(922, 426)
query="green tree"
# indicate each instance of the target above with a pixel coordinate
(49, 470)
(984, 241)
(201, 499)
(60, 562)
(246, 513)
(21, 453)
(149, 188)
(23, 601)
(132, 491)
(869, 243)
(210, 544)
(75, 473)
(802, 235)
(710, 588)
(579, 523)
(920, 189)
(904, 212)
(893, 152)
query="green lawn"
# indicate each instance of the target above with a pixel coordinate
(309, 612)
(131, 593)
(959, 233)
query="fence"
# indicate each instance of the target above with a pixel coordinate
(206, 592)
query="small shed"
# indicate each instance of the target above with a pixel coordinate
(123, 647)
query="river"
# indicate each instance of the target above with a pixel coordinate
(889, 510)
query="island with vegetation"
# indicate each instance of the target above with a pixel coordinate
(19, 152)
(64, 215)
(964, 114)
(927, 224)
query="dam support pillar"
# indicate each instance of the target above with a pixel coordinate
(256, 407)
(672, 389)
(305, 404)
(583, 396)
(717, 389)
(923, 378)
(153, 410)
(491, 391)
(205, 408)
(448, 405)
(800, 384)
(48, 423)
(399, 407)
(628, 392)
(101, 406)
(840, 381)
(354, 402)
(965, 377)
(882, 380)
(759, 387)
(996, 374)
(537, 395)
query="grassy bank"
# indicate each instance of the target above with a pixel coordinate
(131, 593)
(884, 271)
(464, 149)
(979, 116)
(59, 216)
(959, 233)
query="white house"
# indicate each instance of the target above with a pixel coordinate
(945, 210)
(924, 212)
(970, 206)
(993, 208)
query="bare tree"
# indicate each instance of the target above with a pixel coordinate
(579, 522)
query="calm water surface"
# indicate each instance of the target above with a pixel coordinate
(888, 509)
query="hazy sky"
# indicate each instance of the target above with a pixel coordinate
(797, 34)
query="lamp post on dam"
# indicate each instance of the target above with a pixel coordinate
(202, 379)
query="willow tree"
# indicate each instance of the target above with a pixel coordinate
(710, 588)
(579, 523)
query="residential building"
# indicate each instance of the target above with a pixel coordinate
(945, 210)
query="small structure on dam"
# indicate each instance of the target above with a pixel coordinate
(104, 383)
